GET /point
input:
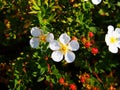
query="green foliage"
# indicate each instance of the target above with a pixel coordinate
(28, 68)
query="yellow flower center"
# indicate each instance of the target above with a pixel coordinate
(42, 38)
(113, 40)
(64, 48)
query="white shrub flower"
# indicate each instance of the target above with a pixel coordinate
(38, 36)
(63, 48)
(112, 39)
(96, 2)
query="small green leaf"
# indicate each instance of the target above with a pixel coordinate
(63, 21)
(48, 78)
(70, 19)
(53, 81)
(39, 66)
(93, 29)
(42, 71)
(34, 74)
(35, 7)
(102, 71)
(39, 2)
(40, 79)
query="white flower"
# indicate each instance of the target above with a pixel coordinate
(63, 48)
(112, 39)
(96, 2)
(38, 36)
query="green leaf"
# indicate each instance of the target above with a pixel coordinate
(34, 74)
(63, 21)
(39, 2)
(35, 6)
(54, 69)
(96, 70)
(46, 2)
(18, 88)
(70, 19)
(39, 66)
(51, 17)
(39, 15)
(53, 81)
(93, 29)
(102, 71)
(40, 78)
(42, 71)
(113, 65)
(48, 78)
(15, 83)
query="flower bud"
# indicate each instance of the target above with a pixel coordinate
(94, 51)
(73, 87)
(61, 81)
(90, 34)
(87, 44)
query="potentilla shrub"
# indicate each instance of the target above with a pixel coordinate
(72, 46)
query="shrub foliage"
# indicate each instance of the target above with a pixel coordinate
(25, 68)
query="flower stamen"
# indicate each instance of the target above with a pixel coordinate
(42, 38)
(113, 40)
(64, 48)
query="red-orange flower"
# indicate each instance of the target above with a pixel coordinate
(82, 79)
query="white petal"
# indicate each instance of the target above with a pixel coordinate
(117, 31)
(50, 37)
(73, 45)
(64, 38)
(35, 31)
(34, 42)
(113, 49)
(69, 57)
(107, 39)
(118, 44)
(110, 29)
(96, 2)
(57, 56)
(54, 45)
